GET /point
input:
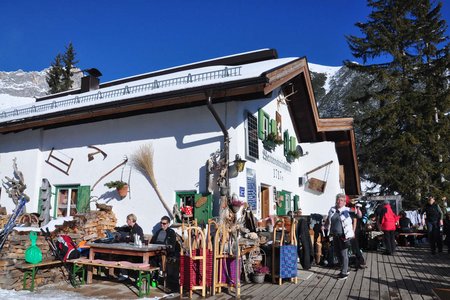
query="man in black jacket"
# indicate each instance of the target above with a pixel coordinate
(434, 221)
(168, 237)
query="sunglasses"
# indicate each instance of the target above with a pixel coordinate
(164, 223)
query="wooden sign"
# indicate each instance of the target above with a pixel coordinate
(316, 184)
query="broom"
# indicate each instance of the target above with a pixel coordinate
(142, 160)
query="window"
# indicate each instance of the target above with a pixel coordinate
(71, 200)
(185, 198)
(252, 136)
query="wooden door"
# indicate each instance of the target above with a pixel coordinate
(265, 202)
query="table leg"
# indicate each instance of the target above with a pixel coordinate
(89, 269)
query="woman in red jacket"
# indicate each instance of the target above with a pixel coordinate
(388, 223)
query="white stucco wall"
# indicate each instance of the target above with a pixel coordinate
(182, 141)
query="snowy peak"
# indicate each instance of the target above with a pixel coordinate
(24, 84)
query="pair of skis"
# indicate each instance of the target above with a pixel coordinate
(12, 221)
(58, 256)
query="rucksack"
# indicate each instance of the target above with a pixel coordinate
(66, 247)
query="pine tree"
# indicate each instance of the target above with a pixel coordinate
(55, 75)
(59, 77)
(403, 139)
(69, 64)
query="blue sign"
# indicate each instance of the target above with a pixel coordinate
(251, 189)
(241, 191)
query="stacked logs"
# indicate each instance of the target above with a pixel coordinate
(89, 226)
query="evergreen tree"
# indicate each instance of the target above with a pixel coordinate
(59, 77)
(403, 140)
(69, 64)
(54, 75)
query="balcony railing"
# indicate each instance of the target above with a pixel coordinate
(127, 90)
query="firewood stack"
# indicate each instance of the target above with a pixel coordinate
(89, 226)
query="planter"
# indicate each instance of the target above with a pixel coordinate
(123, 191)
(258, 277)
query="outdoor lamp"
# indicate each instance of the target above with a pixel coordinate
(239, 163)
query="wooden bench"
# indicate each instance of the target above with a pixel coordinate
(401, 236)
(416, 234)
(30, 270)
(143, 282)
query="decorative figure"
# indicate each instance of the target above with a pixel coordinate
(45, 197)
(16, 186)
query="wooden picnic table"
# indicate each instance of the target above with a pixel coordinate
(126, 249)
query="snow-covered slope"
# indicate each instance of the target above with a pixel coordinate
(329, 72)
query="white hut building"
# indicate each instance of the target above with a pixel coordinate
(253, 105)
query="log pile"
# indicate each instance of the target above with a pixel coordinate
(89, 226)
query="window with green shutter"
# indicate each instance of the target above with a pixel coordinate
(71, 200)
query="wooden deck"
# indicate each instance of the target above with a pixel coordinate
(411, 273)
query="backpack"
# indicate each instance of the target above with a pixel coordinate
(66, 247)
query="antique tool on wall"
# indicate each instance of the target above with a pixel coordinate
(62, 163)
(91, 155)
(125, 160)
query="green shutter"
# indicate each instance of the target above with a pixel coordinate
(273, 127)
(281, 210)
(296, 202)
(203, 211)
(83, 201)
(286, 142)
(261, 124)
(293, 143)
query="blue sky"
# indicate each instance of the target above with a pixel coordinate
(125, 38)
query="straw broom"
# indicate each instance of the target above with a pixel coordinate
(142, 160)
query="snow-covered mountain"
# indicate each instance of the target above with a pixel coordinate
(20, 87)
(23, 84)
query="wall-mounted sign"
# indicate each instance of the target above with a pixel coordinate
(241, 191)
(267, 156)
(251, 189)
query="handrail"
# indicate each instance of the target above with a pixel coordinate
(98, 95)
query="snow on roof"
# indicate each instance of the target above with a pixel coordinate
(7, 101)
(149, 86)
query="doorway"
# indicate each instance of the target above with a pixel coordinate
(265, 201)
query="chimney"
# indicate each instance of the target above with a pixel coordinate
(90, 82)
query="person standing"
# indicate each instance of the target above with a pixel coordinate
(357, 216)
(340, 226)
(433, 220)
(447, 230)
(388, 223)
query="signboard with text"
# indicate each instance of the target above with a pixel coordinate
(251, 189)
